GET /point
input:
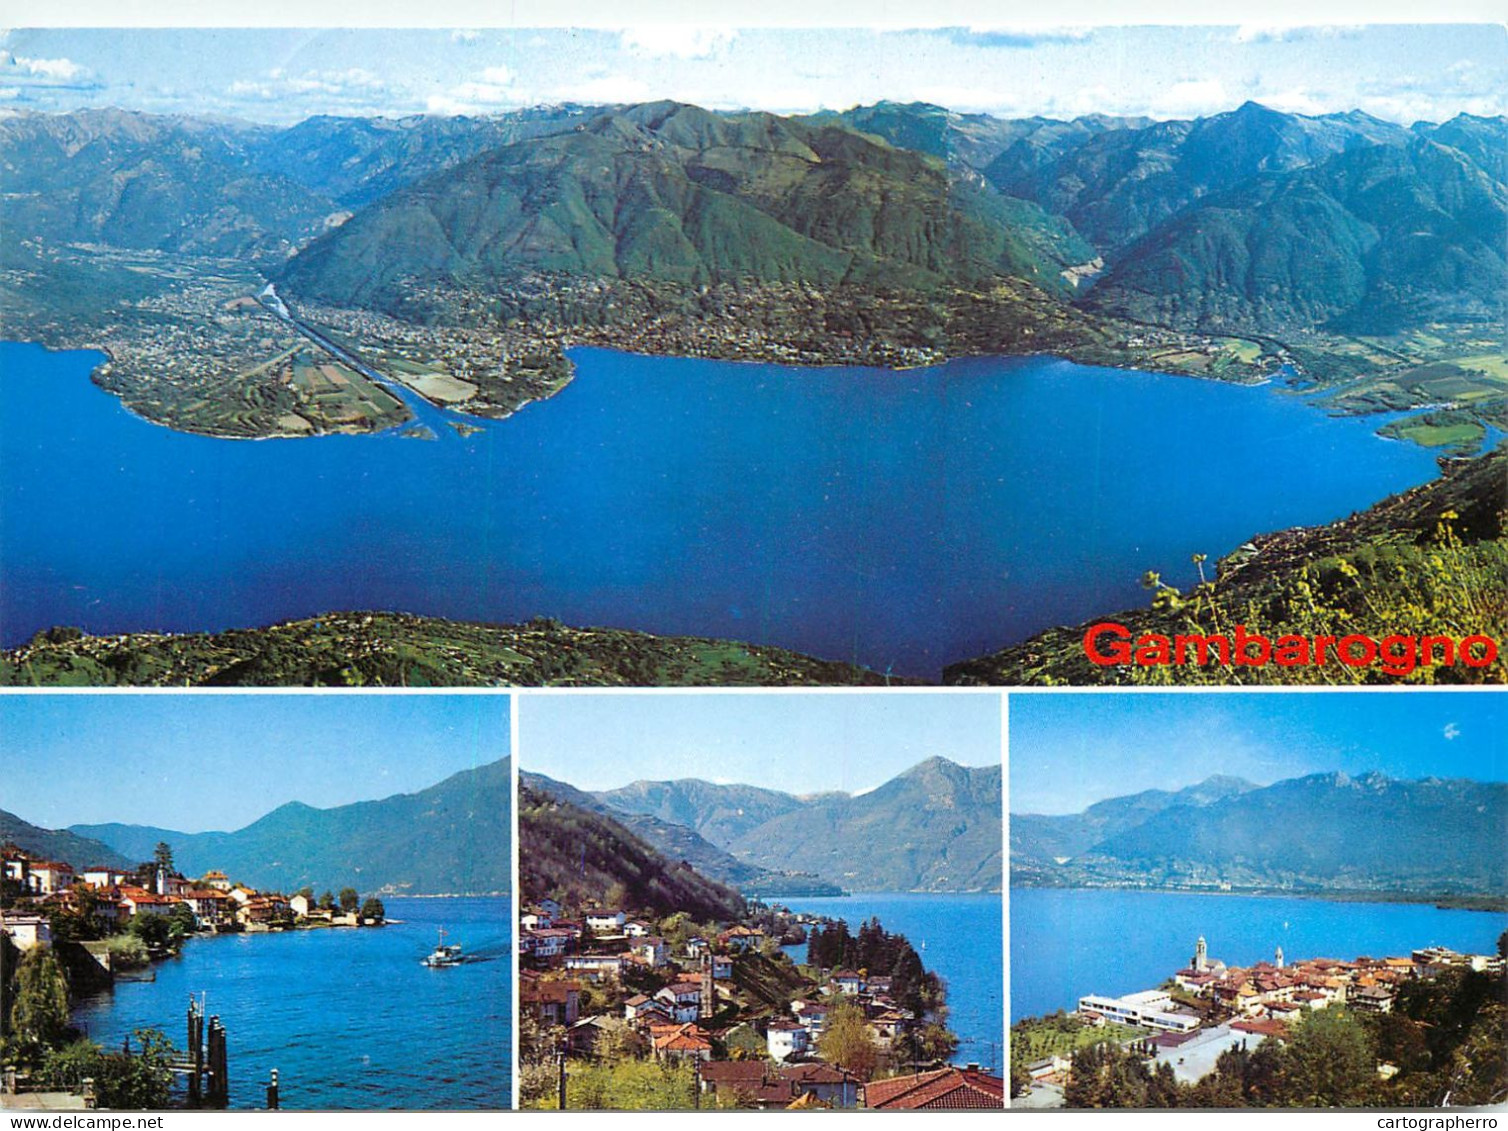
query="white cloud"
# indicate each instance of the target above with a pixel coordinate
(1451, 731)
(58, 70)
(479, 93)
(27, 73)
(1190, 98)
(7, 93)
(332, 82)
(1298, 101)
(1290, 33)
(1016, 36)
(244, 89)
(680, 41)
(1435, 97)
(493, 88)
(611, 88)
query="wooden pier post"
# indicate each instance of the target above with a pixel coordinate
(195, 1048)
(219, 1082)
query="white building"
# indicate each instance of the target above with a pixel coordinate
(786, 1039)
(594, 967)
(1151, 1009)
(26, 931)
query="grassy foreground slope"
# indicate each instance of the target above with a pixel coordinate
(1430, 561)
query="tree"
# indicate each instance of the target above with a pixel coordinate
(39, 1015)
(349, 900)
(1328, 1062)
(307, 892)
(935, 1044)
(77, 921)
(181, 922)
(162, 857)
(152, 930)
(123, 1081)
(372, 909)
(1107, 1076)
(846, 1040)
(907, 978)
(326, 902)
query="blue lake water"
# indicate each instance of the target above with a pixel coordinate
(348, 1017)
(959, 937)
(900, 519)
(1067, 943)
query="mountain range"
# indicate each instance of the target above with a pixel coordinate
(676, 194)
(677, 841)
(449, 839)
(935, 827)
(1251, 218)
(63, 845)
(1321, 832)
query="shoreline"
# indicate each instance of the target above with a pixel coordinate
(1498, 904)
(1253, 381)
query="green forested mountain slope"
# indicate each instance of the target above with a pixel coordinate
(449, 839)
(64, 845)
(676, 194)
(579, 856)
(1371, 240)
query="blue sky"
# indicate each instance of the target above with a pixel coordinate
(1403, 73)
(1068, 751)
(801, 743)
(206, 761)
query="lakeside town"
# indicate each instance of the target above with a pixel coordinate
(50, 897)
(1212, 1029)
(623, 1010)
(66, 932)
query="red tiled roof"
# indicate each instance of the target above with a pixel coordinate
(734, 1073)
(686, 1038)
(546, 993)
(943, 1089)
(810, 1074)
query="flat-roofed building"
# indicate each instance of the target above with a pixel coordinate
(1151, 1009)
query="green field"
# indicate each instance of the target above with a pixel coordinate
(1062, 1034)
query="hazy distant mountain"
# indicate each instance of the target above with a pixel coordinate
(1036, 836)
(721, 813)
(1371, 240)
(1484, 140)
(148, 181)
(936, 827)
(357, 160)
(1120, 184)
(64, 845)
(452, 838)
(1323, 831)
(579, 854)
